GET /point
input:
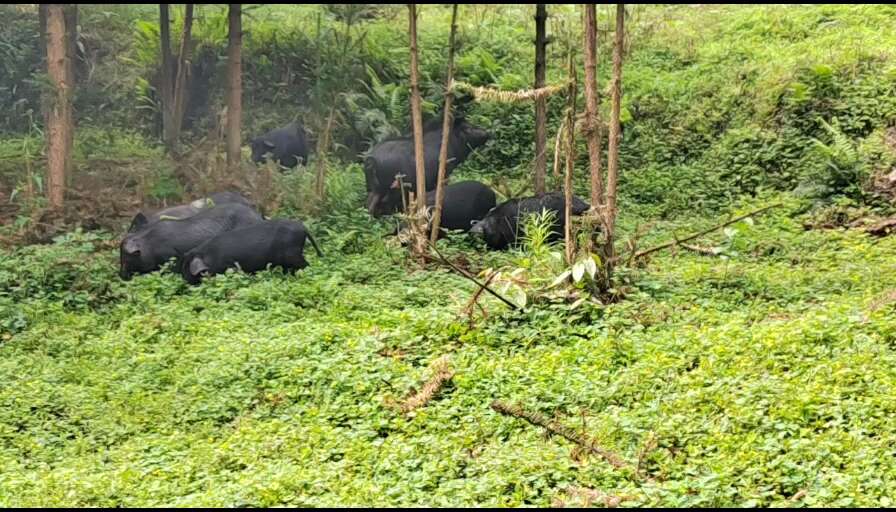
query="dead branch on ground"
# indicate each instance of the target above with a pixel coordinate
(680, 241)
(441, 374)
(555, 427)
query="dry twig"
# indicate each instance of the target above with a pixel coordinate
(702, 233)
(558, 428)
(441, 373)
(584, 497)
(467, 275)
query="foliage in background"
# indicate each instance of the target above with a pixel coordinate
(719, 101)
(762, 374)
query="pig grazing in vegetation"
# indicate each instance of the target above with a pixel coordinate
(180, 212)
(465, 203)
(502, 226)
(287, 146)
(148, 249)
(396, 156)
(271, 242)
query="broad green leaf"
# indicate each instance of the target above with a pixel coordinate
(578, 271)
(590, 266)
(561, 279)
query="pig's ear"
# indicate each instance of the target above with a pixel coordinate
(139, 221)
(197, 266)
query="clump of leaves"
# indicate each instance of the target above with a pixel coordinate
(843, 172)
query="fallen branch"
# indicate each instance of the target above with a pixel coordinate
(702, 233)
(799, 495)
(585, 497)
(467, 275)
(558, 428)
(442, 373)
(474, 300)
(708, 251)
(883, 228)
(887, 298)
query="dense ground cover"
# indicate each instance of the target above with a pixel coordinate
(763, 376)
(759, 375)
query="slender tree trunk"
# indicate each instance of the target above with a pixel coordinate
(60, 118)
(541, 17)
(235, 85)
(447, 122)
(570, 160)
(166, 71)
(178, 101)
(592, 106)
(417, 118)
(613, 150)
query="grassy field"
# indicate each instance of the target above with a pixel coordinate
(761, 376)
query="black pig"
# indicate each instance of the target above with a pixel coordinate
(276, 242)
(180, 212)
(501, 227)
(396, 156)
(148, 249)
(287, 146)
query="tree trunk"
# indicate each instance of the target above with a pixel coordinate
(570, 160)
(613, 150)
(417, 118)
(541, 17)
(177, 105)
(165, 79)
(235, 85)
(60, 119)
(447, 122)
(592, 106)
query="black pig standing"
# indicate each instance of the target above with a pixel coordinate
(465, 203)
(287, 146)
(183, 211)
(276, 242)
(396, 156)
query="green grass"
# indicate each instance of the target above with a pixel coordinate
(760, 375)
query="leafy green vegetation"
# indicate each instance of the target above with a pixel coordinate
(761, 375)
